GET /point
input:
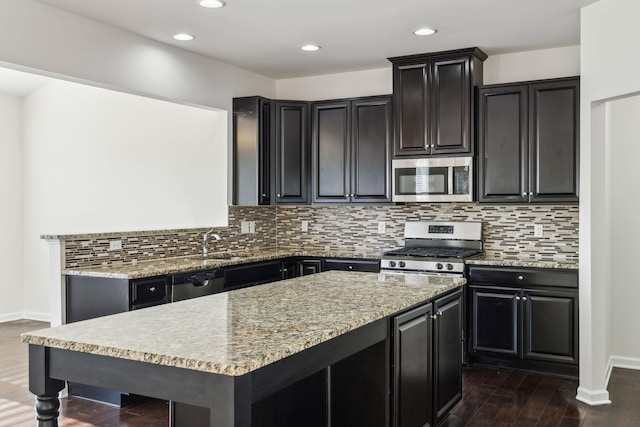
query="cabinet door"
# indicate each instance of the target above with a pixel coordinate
(451, 97)
(288, 269)
(412, 358)
(371, 150)
(554, 116)
(410, 106)
(503, 144)
(292, 153)
(550, 325)
(331, 154)
(309, 266)
(495, 320)
(251, 151)
(240, 276)
(447, 360)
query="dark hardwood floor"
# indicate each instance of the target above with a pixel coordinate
(491, 398)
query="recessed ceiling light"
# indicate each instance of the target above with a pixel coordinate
(212, 4)
(183, 37)
(310, 47)
(424, 32)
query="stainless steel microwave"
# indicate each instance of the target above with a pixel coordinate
(441, 179)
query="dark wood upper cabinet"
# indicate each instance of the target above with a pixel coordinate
(528, 138)
(252, 157)
(291, 139)
(554, 112)
(433, 102)
(351, 150)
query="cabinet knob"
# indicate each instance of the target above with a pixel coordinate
(351, 195)
(517, 298)
(439, 313)
(524, 298)
(351, 267)
(152, 289)
(346, 196)
(524, 194)
(520, 277)
(531, 193)
(278, 194)
(264, 195)
(433, 316)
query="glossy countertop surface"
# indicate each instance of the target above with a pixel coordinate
(508, 260)
(182, 264)
(233, 333)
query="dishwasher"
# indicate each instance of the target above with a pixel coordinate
(196, 284)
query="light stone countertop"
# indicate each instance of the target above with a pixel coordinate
(233, 333)
(164, 266)
(506, 260)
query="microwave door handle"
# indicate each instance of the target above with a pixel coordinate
(450, 179)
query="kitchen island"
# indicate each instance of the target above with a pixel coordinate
(228, 351)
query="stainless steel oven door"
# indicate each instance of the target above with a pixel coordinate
(444, 179)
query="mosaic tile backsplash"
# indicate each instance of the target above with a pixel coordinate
(507, 230)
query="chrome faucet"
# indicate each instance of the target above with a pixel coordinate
(205, 241)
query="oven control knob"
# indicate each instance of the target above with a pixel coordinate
(449, 266)
(392, 263)
(402, 264)
(439, 266)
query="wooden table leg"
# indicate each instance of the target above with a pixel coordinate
(46, 389)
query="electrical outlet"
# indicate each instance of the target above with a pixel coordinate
(115, 245)
(304, 226)
(382, 227)
(252, 227)
(538, 230)
(244, 227)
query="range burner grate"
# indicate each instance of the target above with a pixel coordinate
(459, 253)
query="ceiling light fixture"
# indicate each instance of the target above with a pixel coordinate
(184, 37)
(424, 32)
(212, 4)
(310, 47)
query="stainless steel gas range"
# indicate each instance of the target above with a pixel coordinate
(434, 248)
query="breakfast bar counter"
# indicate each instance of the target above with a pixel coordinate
(229, 350)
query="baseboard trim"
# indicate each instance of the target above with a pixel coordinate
(11, 317)
(593, 397)
(40, 317)
(624, 363)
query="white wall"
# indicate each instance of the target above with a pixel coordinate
(532, 65)
(608, 70)
(12, 302)
(333, 86)
(513, 67)
(98, 160)
(625, 233)
(41, 39)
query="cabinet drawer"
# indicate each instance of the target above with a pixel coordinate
(524, 277)
(144, 291)
(372, 266)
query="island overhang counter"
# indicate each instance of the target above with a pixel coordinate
(228, 351)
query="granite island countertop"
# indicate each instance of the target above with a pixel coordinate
(233, 333)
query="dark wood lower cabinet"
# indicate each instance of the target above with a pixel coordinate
(533, 326)
(427, 362)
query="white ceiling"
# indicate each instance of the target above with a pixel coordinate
(264, 36)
